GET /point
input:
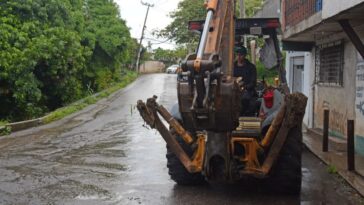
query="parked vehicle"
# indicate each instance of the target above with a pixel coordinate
(172, 69)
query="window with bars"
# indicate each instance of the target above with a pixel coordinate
(330, 63)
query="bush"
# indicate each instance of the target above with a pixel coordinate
(268, 75)
(56, 52)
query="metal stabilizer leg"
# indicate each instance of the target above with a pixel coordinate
(149, 112)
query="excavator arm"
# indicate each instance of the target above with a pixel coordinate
(214, 58)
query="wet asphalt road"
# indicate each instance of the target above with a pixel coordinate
(103, 155)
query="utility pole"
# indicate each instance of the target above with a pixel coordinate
(242, 15)
(141, 38)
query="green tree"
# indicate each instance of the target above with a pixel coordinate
(170, 56)
(53, 51)
(109, 37)
(251, 6)
(187, 10)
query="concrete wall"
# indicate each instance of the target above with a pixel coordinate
(330, 8)
(340, 100)
(270, 9)
(302, 26)
(345, 102)
(333, 7)
(152, 67)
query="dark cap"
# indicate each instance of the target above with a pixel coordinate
(240, 50)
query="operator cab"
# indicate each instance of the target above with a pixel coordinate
(263, 28)
(268, 98)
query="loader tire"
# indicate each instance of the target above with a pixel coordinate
(177, 171)
(286, 176)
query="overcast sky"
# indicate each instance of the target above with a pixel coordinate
(134, 13)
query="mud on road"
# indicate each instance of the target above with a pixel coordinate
(104, 155)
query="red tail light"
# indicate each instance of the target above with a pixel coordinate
(269, 98)
(195, 26)
(274, 23)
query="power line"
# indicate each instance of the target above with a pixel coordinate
(161, 41)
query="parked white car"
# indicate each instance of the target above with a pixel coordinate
(172, 69)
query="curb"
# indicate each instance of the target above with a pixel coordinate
(353, 178)
(23, 125)
(17, 126)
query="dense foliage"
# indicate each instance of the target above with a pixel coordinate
(251, 6)
(55, 52)
(168, 56)
(187, 10)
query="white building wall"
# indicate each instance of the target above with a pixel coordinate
(308, 87)
(151, 67)
(333, 7)
(308, 79)
(359, 107)
(359, 114)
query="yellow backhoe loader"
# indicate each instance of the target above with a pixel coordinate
(207, 139)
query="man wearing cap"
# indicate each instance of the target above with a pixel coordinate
(247, 71)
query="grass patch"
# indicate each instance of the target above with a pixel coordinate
(5, 130)
(331, 169)
(74, 107)
(3, 123)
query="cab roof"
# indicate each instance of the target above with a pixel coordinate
(247, 26)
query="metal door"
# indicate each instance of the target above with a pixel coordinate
(298, 77)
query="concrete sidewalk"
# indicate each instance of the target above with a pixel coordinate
(337, 157)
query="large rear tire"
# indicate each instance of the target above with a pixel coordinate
(177, 171)
(286, 176)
